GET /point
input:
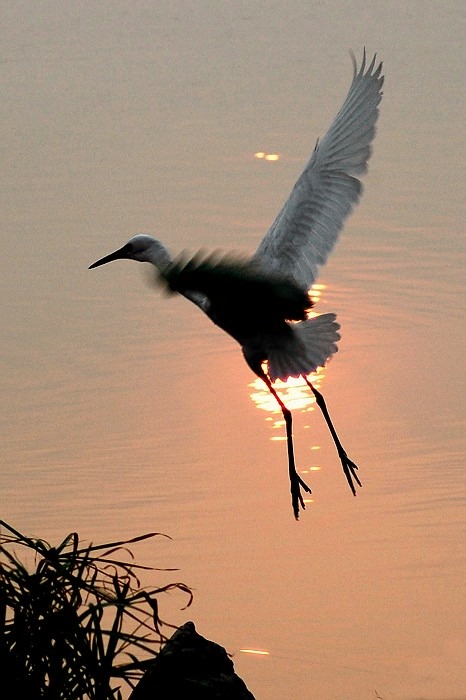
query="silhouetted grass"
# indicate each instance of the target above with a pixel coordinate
(76, 624)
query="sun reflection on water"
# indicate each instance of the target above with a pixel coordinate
(316, 292)
(262, 155)
(294, 393)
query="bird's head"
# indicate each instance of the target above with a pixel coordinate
(142, 248)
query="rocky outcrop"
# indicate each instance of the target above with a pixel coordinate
(190, 667)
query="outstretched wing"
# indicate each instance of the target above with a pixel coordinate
(306, 229)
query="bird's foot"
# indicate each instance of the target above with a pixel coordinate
(297, 498)
(349, 470)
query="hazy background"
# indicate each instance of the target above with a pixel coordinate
(126, 412)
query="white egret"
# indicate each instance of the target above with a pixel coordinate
(263, 301)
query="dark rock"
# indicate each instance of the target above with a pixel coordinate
(190, 667)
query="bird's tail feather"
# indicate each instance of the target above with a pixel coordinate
(309, 346)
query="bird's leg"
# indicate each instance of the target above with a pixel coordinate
(296, 483)
(349, 467)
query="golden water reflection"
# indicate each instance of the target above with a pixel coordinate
(262, 155)
(294, 393)
(316, 292)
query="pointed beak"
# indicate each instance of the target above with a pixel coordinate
(117, 255)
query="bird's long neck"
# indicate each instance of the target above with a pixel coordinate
(158, 255)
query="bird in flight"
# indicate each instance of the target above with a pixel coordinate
(263, 301)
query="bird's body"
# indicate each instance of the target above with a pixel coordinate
(263, 301)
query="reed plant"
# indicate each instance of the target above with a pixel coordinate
(75, 622)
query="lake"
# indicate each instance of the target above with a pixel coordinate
(126, 411)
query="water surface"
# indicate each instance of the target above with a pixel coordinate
(127, 412)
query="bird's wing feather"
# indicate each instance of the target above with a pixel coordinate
(306, 229)
(236, 290)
